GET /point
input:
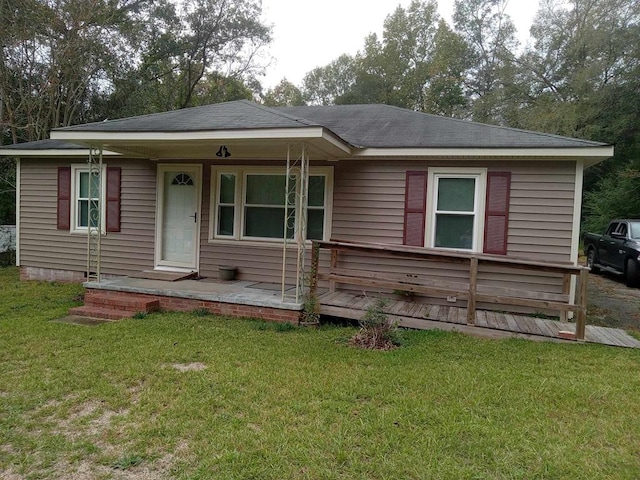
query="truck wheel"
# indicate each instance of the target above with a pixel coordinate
(591, 261)
(632, 274)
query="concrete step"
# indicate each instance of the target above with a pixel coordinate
(127, 302)
(97, 312)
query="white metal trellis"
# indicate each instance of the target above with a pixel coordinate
(295, 214)
(94, 214)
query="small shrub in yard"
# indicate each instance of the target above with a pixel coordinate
(8, 258)
(200, 312)
(139, 315)
(376, 332)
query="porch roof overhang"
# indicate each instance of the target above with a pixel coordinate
(50, 149)
(262, 144)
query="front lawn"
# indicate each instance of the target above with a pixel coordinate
(193, 396)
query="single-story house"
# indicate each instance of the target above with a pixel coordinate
(219, 187)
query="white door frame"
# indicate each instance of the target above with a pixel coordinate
(168, 167)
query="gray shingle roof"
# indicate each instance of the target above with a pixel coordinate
(45, 145)
(384, 126)
(364, 126)
(238, 115)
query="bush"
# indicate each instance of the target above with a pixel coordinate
(8, 258)
(376, 332)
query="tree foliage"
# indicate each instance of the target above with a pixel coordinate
(71, 61)
(285, 94)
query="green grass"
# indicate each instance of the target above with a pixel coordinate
(291, 403)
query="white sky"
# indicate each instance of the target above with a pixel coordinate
(311, 34)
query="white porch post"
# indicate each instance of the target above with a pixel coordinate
(296, 194)
(94, 215)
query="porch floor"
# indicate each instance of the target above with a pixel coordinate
(211, 290)
(488, 324)
(351, 305)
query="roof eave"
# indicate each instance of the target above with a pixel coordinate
(323, 138)
(52, 152)
(591, 154)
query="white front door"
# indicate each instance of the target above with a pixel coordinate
(178, 215)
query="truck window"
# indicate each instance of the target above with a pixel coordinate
(635, 230)
(612, 228)
(622, 229)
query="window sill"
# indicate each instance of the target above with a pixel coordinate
(85, 232)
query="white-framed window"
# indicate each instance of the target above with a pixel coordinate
(249, 203)
(455, 208)
(85, 200)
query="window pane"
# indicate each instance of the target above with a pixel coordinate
(315, 224)
(227, 188)
(456, 194)
(225, 220)
(316, 191)
(94, 213)
(84, 185)
(265, 222)
(83, 212)
(454, 231)
(266, 189)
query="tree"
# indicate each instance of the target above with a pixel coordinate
(445, 93)
(584, 80)
(323, 85)
(490, 37)
(54, 56)
(210, 50)
(417, 64)
(285, 94)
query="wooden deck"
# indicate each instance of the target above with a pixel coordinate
(487, 324)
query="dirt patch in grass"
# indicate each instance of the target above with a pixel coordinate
(89, 422)
(187, 367)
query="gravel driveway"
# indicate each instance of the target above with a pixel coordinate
(612, 303)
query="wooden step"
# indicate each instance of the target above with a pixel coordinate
(130, 303)
(97, 312)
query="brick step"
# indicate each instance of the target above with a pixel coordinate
(130, 303)
(96, 312)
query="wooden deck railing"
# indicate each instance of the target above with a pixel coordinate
(469, 291)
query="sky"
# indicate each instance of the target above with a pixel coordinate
(312, 34)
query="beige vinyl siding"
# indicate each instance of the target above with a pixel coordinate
(541, 211)
(369, 207)
(43, 245)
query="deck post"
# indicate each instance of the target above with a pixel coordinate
(566, 290)
(334, 264)
(473, 285)
(313, 275)
(581, 319)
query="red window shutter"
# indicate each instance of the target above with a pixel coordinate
(113, 199)
(415, 206)
(496, 225)
(64, 198)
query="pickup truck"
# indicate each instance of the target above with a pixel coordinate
(617, 251)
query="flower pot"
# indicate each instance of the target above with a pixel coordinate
(227, 273)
